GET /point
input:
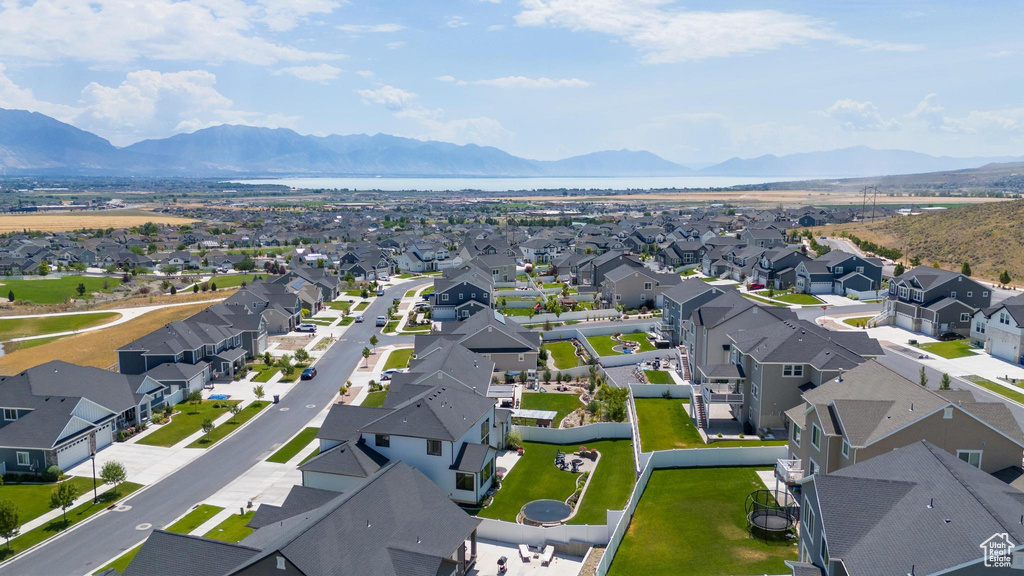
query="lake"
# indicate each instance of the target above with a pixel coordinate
(503, 184)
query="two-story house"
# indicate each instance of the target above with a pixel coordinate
(681, 254)
(1000, 329)
(507, 344)
(634, 288)
(933, 301)
(279, 306)
(679, 303)
(838, 272)
(777, 268)
(461, 292)
(769, 237)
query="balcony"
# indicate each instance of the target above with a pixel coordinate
(725, 393)
(789, 471)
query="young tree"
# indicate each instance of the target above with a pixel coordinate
(373, 342)
(10, 295)
(44, 268)
(234, 409)
(173, 290)
(915, 261)
(207, 428)
(10, 523)
(966, 269)
(944, 382)
(80, 289)
(114, 473)
(899, 269)
(63, 497)
(1004, 278)
(195, 397)
(923, 377)
(366, 357)
(213, 286)
(301, 355)
(258, 392)
(195, 288)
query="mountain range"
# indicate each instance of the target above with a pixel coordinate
(35, 144)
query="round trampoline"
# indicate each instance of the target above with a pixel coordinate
(544, 513)
(770, 513)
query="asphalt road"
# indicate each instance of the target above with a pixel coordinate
(83, 550)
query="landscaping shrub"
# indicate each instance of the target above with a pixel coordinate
(52, 474)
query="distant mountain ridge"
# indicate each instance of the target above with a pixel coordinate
(35, 144)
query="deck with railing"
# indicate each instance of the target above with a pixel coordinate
(789, 471)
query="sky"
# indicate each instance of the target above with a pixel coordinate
(695, 82)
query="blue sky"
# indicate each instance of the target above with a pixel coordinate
(694, 82)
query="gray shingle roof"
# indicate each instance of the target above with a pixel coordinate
(300, 499)
(802, 342)
(347, 459)
(170, 554)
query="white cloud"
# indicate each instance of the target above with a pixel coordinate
(15, 97)
(495, 27)
(445, 78)
(126, 30)
(388, 96)
(524, 82)
(997, 124)
(929, 112)
(854, 115)
(457, 22)
(394, 45)
(322, 73)
(365, 73)
(433, 126)
(371, 28)
(667, 35)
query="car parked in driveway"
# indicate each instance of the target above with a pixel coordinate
(756, 286)
(308, 373)
(389, 373)
(305, 327)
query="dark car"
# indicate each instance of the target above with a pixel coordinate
(947, 336)
(380, 292)
(309, 373)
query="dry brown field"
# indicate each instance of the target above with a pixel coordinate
(64, 221)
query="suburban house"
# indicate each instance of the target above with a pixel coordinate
(778, 268)
(328, 282)
(838, 272)
(57, 414)
(539, 250)
(871, 410)
(933, 301)
(679, 303)
(592, 272)
(636, 287)
(914, 510)
(507, 344)
(681, 253)
(279, 306)
(218, 348)
(396, 524)
(462, 292)
(772, 364)
(1000, 329)
(502, 266)
(444, 431)
(769, 237)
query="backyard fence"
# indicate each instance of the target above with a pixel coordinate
(658, 390)
(577, 435)
(514, 533)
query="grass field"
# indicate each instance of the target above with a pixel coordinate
(222, 430)
(75, 515)
(194, 519)
(692, 521)
(398, 358)
(858, 322)
(563, 354)
(11, 347)
(361, 306)
(603, 344)
(22, 327)
(563, 404)
(186, 422)
(232, 280)
(64, 221)
(344, 305)
(535, 477)
(97, 348)
(761, 300)
(50, 290)
(801, 299)
(996, 388)
(375, 399)
(951, 349)
(292, 447)
(665, 425)
(233, 529)
(33, 500)
(658, 377)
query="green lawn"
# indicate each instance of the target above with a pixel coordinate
(187, 421)
(398, 358)
(517, 311)
(11, 347)
(340, 305)
(950, 349)
(346, 321)
(33, 500)
(289, 450)
(761, 300)
(665, 425)
(75, 515)
(232, 280)
(603, 344)
(56, 290)
(265, 375)
(362, 306)
(989, 385)
(355, 292)
(22, 327)
(692, 521)
(233, 529)
(535, 477)
(641, 338)
(194, 519)
(658, 377)
(375, 399)
(230, 426)
(802, 299)
(858, 322)
(563, 404)
(563, 353)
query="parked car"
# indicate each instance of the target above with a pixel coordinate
(306, 328)
(947, 336)
(757, 286)
(380, 291)
(387, 374)
(382, 320)
(359, 318)
(308, 373)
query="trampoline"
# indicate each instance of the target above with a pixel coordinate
(544, 513)
(770, 513)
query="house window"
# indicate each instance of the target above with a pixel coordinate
(984, 294)
(796, 434)
(487, 472)
(816, 436)
(23, 459)
(824, 552)
(952, 294)
(979, 327)
(1004, 318)
(522, 358)
(918, 296)
(965, 317)
(838, 270)
(808, 519)
(753, 390)
(846, 449)
(793, 370)
(969, 294)
(904, 291)
(382, 440)
(947, 414)
(463, 481)
(813, 468)
(460, 296)
(433, 447)
(647, 286)
(972, 457)
(485, 431)
(10, 414)
(444, 297)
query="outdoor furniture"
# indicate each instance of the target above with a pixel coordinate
(547, 555)
(502, 565)
(524, 552)
(576, 463)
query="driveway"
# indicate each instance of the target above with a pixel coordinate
(95, 542)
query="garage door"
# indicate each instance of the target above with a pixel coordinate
(1004, 351)
(104, 436)
(904, 321)
(73, 453)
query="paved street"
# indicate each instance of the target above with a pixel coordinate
(83, 550)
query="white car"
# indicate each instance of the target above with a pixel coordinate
(306, 328)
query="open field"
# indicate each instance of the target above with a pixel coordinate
(96, 348)
(747, 197)
(56, 290)
(22, 327)
(63, 221)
